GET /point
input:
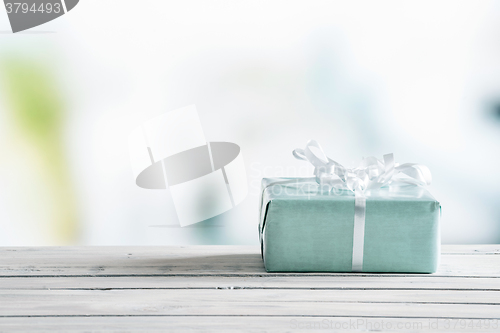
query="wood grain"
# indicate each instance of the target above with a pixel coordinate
(225, 288)
(244, 324)
(200, 260)
(308, 282)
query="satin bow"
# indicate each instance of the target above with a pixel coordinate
(370, 174)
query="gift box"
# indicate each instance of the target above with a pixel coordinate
(378, 217)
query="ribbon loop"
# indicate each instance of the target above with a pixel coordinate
(325, 169)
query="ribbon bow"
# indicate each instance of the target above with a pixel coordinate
(370, 174)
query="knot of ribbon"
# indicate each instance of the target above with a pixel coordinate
(372, 173)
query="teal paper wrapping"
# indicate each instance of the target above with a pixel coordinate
(304, 230)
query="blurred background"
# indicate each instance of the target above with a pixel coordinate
(420, 79)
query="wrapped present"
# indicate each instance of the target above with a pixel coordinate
(378, 217)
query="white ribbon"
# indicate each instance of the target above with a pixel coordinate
(370, 174)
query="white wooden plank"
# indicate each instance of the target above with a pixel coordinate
(265, 296)
(253, 282)
(244, 324)
(470, 249)
(206, 260)
(379, 303)
(219, 288)
(195, 250)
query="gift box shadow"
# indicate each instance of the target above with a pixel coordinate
(141, 265)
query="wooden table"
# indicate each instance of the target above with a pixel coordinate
(225, 288)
